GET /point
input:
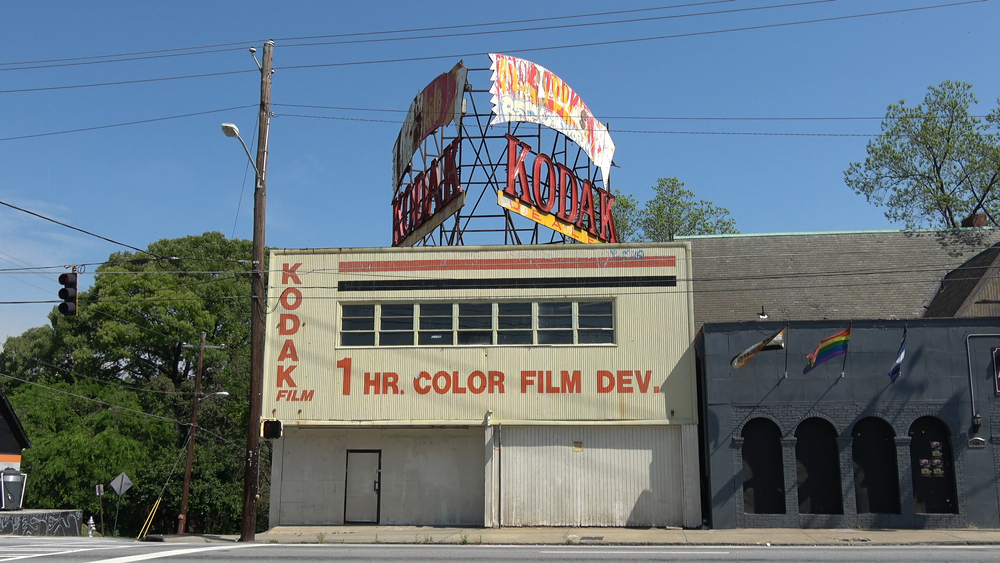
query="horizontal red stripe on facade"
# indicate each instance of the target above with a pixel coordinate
(509, 264)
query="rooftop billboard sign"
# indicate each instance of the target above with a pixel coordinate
(525, 91)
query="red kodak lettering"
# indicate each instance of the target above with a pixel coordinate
(282, 393)
(285, 376)
(567, 187)
(288, 352)
(607, 230)
(288, 324)
(289, 273)
(289, 304)
(549, 201)
(307, 395)
(586, 209)
(517, 153)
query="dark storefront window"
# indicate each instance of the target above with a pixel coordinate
(933, 467)
(876, 476)
(475, 323)
(436, 324)
(763, 474)
(817, 464)
(555, 323)
(396, 325)
(514, 323)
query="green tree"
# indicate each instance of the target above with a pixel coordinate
(673, 211)
(125, 348)
(935, 163)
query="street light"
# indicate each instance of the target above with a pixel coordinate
(231, 130)
(182, 517)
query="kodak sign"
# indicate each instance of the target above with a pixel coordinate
(552, 195)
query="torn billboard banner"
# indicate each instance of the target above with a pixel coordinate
(435, 106)
(525, 91)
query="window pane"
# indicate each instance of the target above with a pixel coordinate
(357, 339)
(435, 323)
(358, 311)
(596, 337)
(514, 308)
(595, 322)
(514, 337)
(475, 309)
(475, 322)
(550, 321)
(395, 339)
(595, 308)
(435, 339)
(397, 310)
(555, 337)
(358, 324)
(475, 337)
(555, 308)
(396, 323)
(513, 322)
(435, 310)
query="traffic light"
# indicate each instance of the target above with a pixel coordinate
(68, 294)
(271, 429)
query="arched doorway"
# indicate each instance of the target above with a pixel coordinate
(763, 475)
(817, 462)
(876, 474)
(933, 467)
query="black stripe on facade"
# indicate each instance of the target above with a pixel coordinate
(507, 283)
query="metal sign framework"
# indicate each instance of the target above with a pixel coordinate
(482, 168)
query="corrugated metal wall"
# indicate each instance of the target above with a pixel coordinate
(613, 476)
(653, 327)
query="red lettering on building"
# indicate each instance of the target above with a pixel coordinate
(288, 352)
(288, 273)
(285, 375)
(643, 383)
(569, 198)
(496, 382)
(605, 381)
(570, 383)
(428, 193)
(345, 365)
(624, 381)
(290, 304)
(288, 324)
(372, 382)
(477, 382)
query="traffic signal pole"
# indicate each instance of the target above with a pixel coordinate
(251, 468)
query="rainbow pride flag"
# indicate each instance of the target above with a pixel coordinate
(828, 348)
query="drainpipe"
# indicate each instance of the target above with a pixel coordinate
(977, 421)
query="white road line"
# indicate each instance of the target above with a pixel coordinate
(51, 553)
(639, 551)
(172, 553)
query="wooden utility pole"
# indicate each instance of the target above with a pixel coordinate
(182, 517)
(251, 468)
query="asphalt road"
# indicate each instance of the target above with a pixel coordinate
(94, 550)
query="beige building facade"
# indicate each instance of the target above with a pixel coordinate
(489, 386)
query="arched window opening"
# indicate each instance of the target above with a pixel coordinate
(763, 476)
(817, 463)
(876, 474)
(933, 467)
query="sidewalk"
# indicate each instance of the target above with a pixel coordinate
(610, 536)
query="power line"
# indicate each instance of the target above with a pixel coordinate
(139, 122)
(636, 39)
(68, 226)
(136, 81)
(564, 26)
(114, 406)
(218, 47)
(119, 60)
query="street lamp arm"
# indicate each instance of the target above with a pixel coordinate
(232, 131)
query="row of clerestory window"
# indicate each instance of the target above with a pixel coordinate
(477, 324)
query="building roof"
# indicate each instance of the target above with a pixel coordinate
(827, 276)
(970, 290)
(12, 436)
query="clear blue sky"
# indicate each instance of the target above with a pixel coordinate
(328, 178)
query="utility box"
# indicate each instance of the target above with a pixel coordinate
(13, 489)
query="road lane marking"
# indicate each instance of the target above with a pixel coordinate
(172, 553)
(52, 553)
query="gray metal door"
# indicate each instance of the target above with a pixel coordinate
(364, 485)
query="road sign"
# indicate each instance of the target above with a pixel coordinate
(100, 489)
(121, 483)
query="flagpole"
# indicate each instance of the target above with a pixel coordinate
(786, 352)
(843, 368)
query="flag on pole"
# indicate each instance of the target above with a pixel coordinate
(774, 342)
(828, 348)
(896, 367)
